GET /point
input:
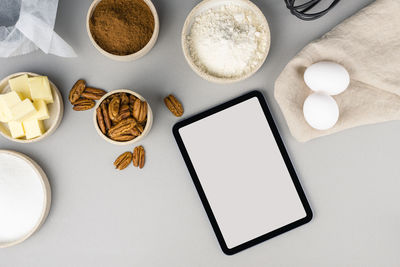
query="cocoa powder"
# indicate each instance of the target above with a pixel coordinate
(122, 27)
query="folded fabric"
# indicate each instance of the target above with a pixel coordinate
(368, 46)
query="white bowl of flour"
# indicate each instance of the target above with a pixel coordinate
(225, 41)
(25, 198)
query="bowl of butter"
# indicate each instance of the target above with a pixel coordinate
(31, 107)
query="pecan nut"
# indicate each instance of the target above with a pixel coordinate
(124, 99)
(76, 91)
(104, 110)
(124, 127)
(135, 131)
(124, 138)
(113, 108)
(123, 161)
(132, 100)
(140, 128)
(138, 157)
(83, 104)
(100, 120)
(139, 111)
(93, 93)
(124, 112)
(174, 105)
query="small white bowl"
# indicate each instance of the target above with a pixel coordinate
(56, 111)
(146, 49)
(47, 197)
(206, 5)
(146, 130)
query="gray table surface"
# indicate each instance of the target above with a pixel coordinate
(153, 217)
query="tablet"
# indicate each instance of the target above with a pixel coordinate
(242, 172)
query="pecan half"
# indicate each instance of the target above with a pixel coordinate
(76, 91)
(138, 157)
(104, 110)
(139, 111)
(100, 120)
(113, 108)
(123, 161)
(124, 113)
(124, 138)
(140, 127)
(93, 93)
(174, 105)
(83, 104)
(135, 131)
(124, 127)
(132, 100)
(124, 99)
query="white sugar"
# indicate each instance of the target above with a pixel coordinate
(21, 198)
(227, 41)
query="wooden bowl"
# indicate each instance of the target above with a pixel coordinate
(56, 111)
(206, 5)
(146, 130)
(146, 49)
(47, 197)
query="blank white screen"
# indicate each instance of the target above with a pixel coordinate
(242, 172)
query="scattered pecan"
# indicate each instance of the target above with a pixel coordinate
(83, 104)
(100, 120)
(76, 91)
(123, 161)
(113, 108)
(139, 110)
(138, 157)
(174, 105)
(104, 110)
(93, 93)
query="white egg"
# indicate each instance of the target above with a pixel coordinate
(328, 77)
(320, 111)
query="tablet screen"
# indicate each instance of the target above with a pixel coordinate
(240, 168)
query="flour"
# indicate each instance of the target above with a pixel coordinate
(21, 198)
(228, 41)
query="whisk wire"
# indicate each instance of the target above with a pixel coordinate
(301, 11)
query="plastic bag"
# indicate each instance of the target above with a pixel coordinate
(27, 25)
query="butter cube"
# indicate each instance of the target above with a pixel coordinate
(33, 128)
(20, 85)
(7, 101)
(40, 89)
(42, 113)
(22, 110)
(16, 129)
(3, 117)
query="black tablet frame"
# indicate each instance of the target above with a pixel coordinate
(203, 197)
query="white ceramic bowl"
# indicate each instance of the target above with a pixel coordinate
(146, 130)
(47, 197)
(56, 111)
(206, 5)
(146, 49)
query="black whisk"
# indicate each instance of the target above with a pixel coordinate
(302, 11)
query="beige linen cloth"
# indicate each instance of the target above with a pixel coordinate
(368, 46)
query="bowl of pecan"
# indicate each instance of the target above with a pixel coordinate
(122, 117)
